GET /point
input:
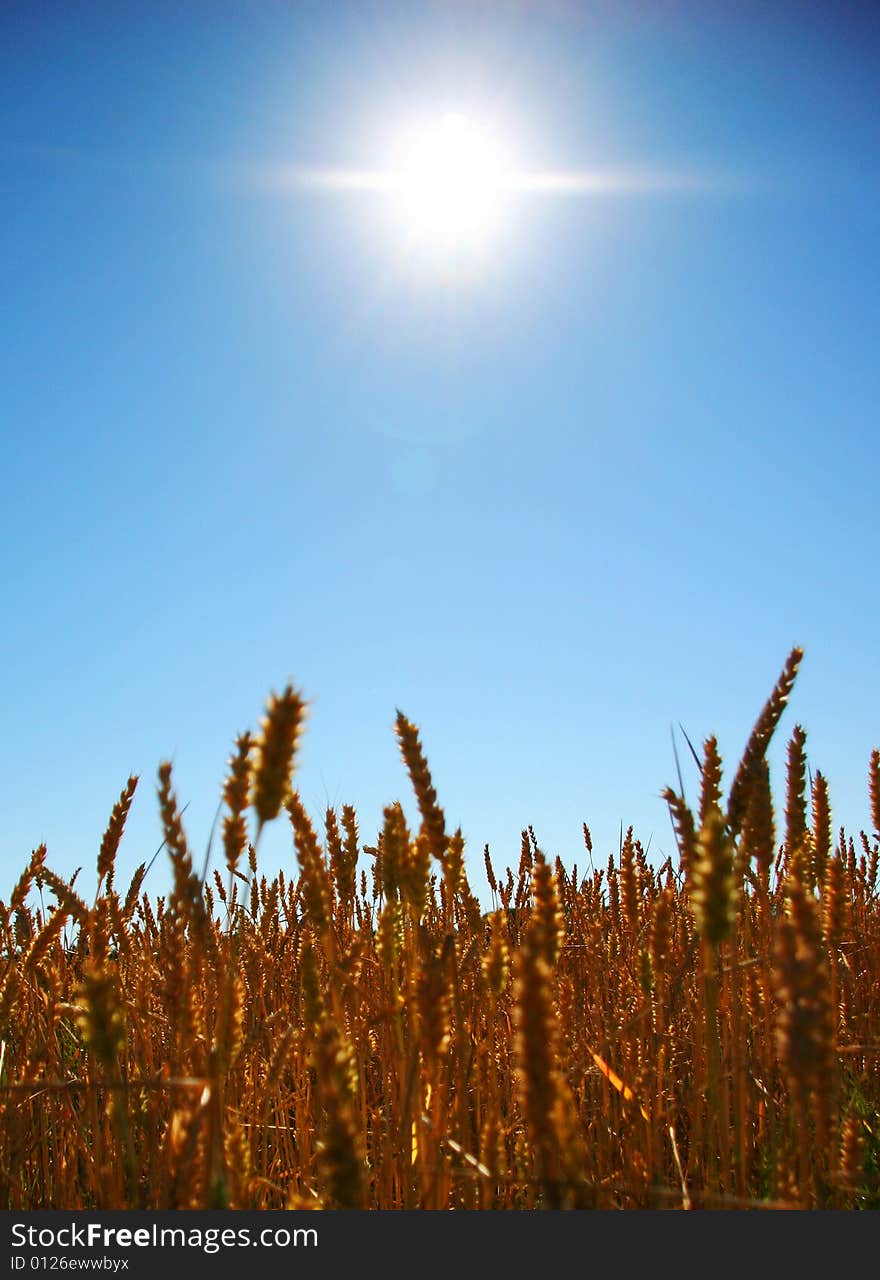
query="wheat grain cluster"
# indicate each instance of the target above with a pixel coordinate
(361, 1033)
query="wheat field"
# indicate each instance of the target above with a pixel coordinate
(363, 1033)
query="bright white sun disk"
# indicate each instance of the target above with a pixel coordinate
(449, 182)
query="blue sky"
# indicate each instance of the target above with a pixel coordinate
(549, 505)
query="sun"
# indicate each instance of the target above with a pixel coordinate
(447, 182)
(454, 193)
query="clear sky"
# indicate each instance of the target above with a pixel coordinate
(549, 496)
